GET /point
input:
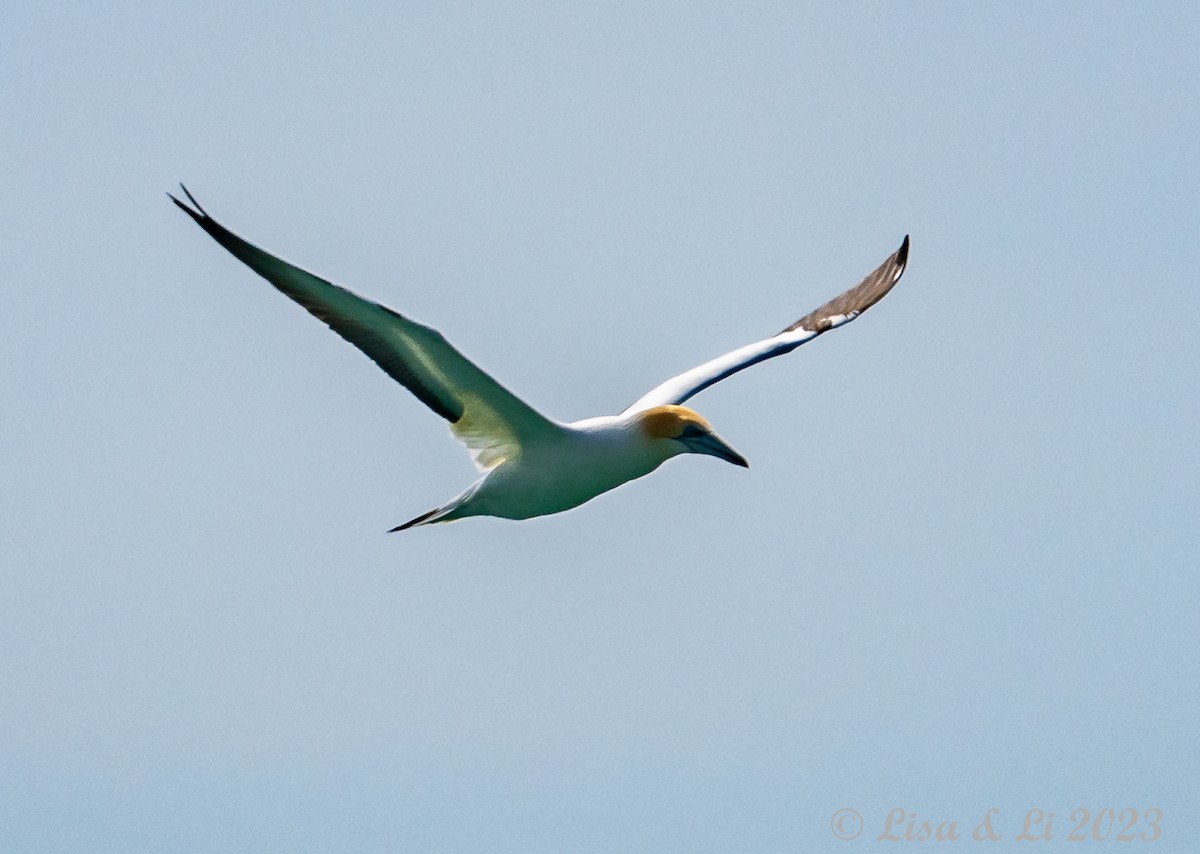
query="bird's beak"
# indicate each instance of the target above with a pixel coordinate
(709, 443)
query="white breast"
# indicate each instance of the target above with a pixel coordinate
(592, 457)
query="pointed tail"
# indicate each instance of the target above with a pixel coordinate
(423, 519)
(456, 509)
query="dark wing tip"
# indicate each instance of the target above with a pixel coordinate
(859, 298)
(184, 208)
(902, 254)
(192, 199)
(198, 214)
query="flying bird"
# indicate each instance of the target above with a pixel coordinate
(533, 465)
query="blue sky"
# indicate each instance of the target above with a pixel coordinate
(960, 573)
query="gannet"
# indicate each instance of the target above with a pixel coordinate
(533, 465)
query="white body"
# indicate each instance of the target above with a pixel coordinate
(586, 459)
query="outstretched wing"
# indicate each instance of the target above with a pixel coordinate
(490, 420)
(837, 312)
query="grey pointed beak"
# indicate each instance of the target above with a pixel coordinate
(709, 443)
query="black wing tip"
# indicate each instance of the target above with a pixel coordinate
(198, 214)
(192, 198)
(902, 253)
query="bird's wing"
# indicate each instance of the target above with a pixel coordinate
(492, 422)
(835, 313)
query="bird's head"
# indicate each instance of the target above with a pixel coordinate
(686, 432)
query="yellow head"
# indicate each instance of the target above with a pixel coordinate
(688, 431)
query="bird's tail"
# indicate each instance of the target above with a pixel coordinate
(423, 519)
(447, 513)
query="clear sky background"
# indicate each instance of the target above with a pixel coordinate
(961, 572)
